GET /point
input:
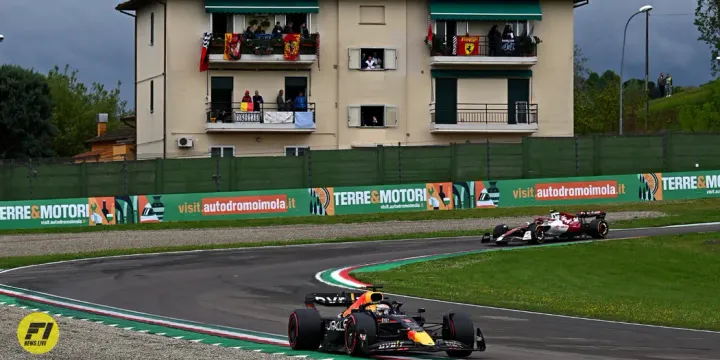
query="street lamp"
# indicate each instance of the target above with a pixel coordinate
(2, 37)
(645, 9)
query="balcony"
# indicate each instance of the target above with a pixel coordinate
(477, 50)
(264, 49)
(485, 118)
(224, 117)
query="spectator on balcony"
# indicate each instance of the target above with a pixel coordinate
(259, 30)
(300, 102)
(289, 105)
(494, 37)
(508, 33)
(304, 31)
(247, 98)
(288, 28)
(257, 100)
(280, 101)
(277, 30)
(249, 33)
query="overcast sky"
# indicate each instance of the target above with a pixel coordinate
(98, 41)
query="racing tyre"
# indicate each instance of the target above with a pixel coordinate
(361, 331)
(537, 234)
(458, 327)
(305, 329)
(598, 229)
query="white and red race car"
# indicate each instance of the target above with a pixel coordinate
(558, 225)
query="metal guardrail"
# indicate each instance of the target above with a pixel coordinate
(520, 46)
(233, 112)
(264, 44)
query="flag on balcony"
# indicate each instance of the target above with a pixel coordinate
(317, 48)
(205, 53)
(246, 106)
(232, 46)
(292, 46)
(466, 45)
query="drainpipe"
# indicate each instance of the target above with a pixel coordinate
(164, 77)
(338, 104)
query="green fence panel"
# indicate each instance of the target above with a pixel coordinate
(471, 162)
(686, 150)
(53, 180)
(105, 178)
(634, 154)
(505, 161)
(140, 177)
(190, 176)
(425, 164)
(547, 157)
(344, 167)
(263, 173)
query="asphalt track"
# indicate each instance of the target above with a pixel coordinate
(257, 288)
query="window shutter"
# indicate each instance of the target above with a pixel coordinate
(462, 28)
(391, 115)
(391, 59)
(354, 116)
(354, 58)
(239, 23)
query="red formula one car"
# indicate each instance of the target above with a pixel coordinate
(559, 225)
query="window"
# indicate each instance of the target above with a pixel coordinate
(295, 150)
(372, 58)
(518, 27)
(221, 23)
(152, 29)
(222, 151)
(152, 96)
(372, 116)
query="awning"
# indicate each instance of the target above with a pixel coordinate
(261, 6)
(502, 10)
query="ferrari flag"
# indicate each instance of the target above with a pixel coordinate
(292, 46)
(467, 45)
(232, 46)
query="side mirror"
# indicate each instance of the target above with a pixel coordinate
(421, 310)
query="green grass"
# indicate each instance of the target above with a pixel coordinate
(681, 212)
(668, 280)
(665, 112)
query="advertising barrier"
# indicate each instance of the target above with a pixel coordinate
(330, 201)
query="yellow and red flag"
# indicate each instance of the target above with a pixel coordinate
(468, 45)
(246, 106)
(232, 46)
(292, 46)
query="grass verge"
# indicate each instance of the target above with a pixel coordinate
(667, 280)
(680, 212)
(9, 262)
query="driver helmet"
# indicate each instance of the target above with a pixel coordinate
(382, 309)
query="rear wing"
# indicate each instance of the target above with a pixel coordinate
(598, 214)
(343, 299)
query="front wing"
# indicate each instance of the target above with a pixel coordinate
(395, 346)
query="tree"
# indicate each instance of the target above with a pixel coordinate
(76, 107)
(26, 129)
(707, 20)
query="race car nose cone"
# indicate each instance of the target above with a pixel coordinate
(421, 337)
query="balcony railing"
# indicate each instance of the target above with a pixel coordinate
(267, 114)
(520, 46)
(485, 114)
(264, 44)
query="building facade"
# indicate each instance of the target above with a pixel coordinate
(371, 72)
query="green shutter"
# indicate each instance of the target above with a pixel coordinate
(437, 73)
(502, 10)
(261, 6)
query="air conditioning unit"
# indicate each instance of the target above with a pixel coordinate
(184, 142)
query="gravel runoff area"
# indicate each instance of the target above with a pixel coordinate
(41, 244)
(80, 340)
